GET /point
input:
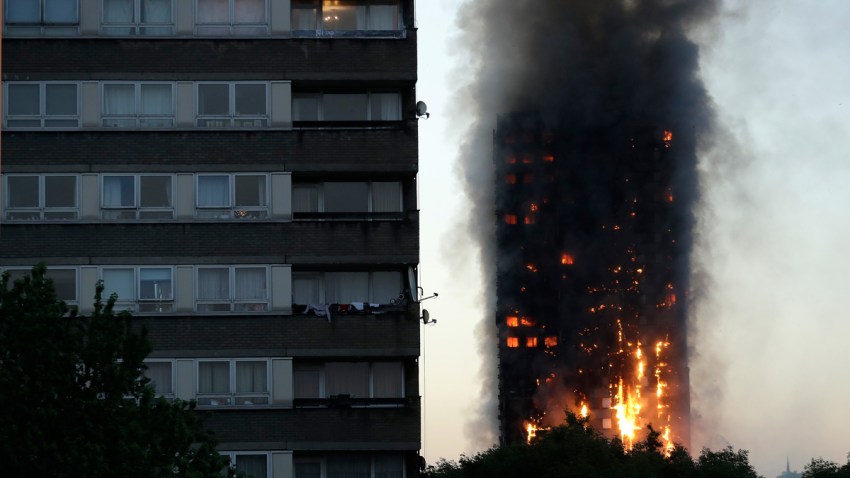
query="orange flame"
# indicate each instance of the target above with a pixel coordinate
(566, 259)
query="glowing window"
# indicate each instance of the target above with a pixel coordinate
(512, 321)
(513, 342)
(529, 220)
(527, 321)
(531, 342)
(549, 158)
(550, 341)
(510, 219)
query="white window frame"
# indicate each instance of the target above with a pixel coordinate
(232, 119)
(320, 30)
(138, 305)
(232, 211)
(232, 398)
(323, 389)
(231, 27)
(234, 458)
(43, 27)
(233, 302)
(137, 209)
(322, 280)
(137, 27)
(71, 303)
(167, 396)
(139, 119)
(41, 209)
(320, 96)
(370, 196)
(42, 117)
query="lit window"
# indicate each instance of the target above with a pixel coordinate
(510, 219)
(141, 289)
(237, 196)
(550, 341)
(530, 220)
(34, 198)
(510, 178)
(146, 105)
(232, 289)
(42, 16)
(341, 16)
(231, 17)
(233, 382)
(371, 106)
(42, 105)
(527, 322)
(512, 321)
(226, 105)
(531, 342)
(513, 342)
(137, 197)
(137, 17)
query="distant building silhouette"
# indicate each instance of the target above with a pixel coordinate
(788, 473)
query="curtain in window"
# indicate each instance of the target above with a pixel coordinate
(156, 100)
(160, 375)
(213, 191)
(383, 16)
(119, 99)
(155, 283)
(385, 286)
(156, 11)
(252, 465)
(305, 290)
(213, 284)
(386, 197)
(389, 466)
(213, 11)
(118, 11)
(305, 199)
(22, 11)
(385, 106)
(347, 378)
(387, 379)
(249, 11)
(251, 377)
(121, 282)
(346, 287)
(118, 191)
(348, 466)
(60, 11)
(214, 377)
(251, 283)
(306, 381)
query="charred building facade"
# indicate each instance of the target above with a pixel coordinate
(593, 238)
(242, 173)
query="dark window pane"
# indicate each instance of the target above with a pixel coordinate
(23, 100)
(213, 99)
(155, 191)
(60, 191)
(61, 100)
(345, 107)
(250, 99)
(304, 14)
(65, 283)
(308, 470)
(305, 108)
(60, 11)
(22, 11)
(23, 191)
(346, 197)
(250, 190)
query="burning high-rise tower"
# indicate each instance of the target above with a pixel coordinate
(600, 113)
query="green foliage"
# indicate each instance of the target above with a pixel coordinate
(820, 468)
(574, 450)
(73, 400)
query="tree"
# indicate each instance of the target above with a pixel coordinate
(575, 450)
(820, 468)
(73, 398)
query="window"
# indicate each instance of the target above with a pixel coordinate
(225, 105)
(161, 377)
(232, 289)
(137, 17)
(379, 287)
(253, 464)
(137, 197)
(237, 196)
(233, 382)
(371, 106)
(132, 105)
(142, 289)
(332, 17)
(231, 17)
(42, 105)
(347, 197)
(362, 380)
(64, 281)
(351, 465)
(35, 198)
(308, 469)
(31, 17)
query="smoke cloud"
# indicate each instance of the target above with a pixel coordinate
(592, 72)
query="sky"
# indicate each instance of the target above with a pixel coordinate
(770, 367)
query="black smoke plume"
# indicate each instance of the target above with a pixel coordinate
(583, 96)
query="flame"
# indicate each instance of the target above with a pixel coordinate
(531, 267)
(668, 136)
(566, 259)
(510, 219)
(530, 220)
(526, 321)
(549, 158)
(534, 207)
(530, 432)
(513, 342)
(512, 321)
(583, 412)
(531, 342)
(550, 341)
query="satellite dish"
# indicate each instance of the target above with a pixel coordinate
(426, 317)
(422, 109)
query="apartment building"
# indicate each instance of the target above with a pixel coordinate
(242, 173)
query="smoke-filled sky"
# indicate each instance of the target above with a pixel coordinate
(771, 366)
